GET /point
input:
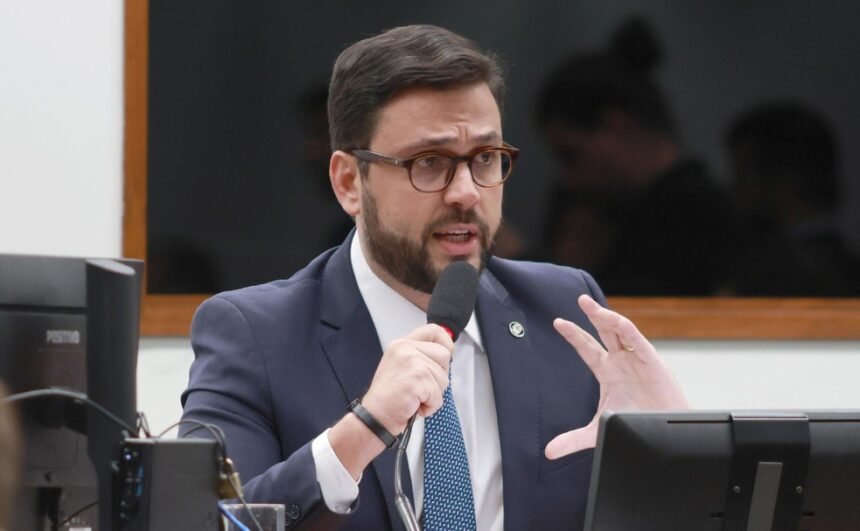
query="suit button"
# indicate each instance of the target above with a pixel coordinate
(293, 513)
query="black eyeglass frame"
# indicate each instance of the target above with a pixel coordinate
(372, 156)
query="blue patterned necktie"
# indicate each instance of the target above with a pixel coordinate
(448, 502)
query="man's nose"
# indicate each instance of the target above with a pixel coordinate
(462, 191)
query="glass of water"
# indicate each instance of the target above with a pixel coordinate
(269, 515)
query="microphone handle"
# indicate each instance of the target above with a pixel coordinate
(407, 515)
(404, 507)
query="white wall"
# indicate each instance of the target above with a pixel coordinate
(61, 193)
(61, 126)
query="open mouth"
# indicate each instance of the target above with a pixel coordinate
(455, 236)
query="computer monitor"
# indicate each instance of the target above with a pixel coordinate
(727, 471)
(60, 319)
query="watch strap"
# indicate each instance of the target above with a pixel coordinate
(372, 424)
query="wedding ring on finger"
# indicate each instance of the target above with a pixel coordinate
(628, 348)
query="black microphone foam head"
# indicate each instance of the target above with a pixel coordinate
(453, 298)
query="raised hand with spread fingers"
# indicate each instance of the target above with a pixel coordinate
(631, 374)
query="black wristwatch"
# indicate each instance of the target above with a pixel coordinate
(372, 424)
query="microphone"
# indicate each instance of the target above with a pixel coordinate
(453, 298)
(451, 305)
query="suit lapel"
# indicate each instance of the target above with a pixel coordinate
(515, 388)
(351, 344)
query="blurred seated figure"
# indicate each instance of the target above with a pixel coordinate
(9, 460)
(785, 162)
(316, 149)
(629, 207)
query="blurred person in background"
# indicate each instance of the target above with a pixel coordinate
(784, 159)
(629, 206)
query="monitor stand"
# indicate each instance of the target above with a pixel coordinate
(768, 471)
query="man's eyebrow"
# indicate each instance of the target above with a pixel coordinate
(486, 138)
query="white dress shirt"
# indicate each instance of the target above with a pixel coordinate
(394, 317)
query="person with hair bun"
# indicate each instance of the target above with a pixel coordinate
(630, 207)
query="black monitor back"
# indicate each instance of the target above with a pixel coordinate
(44, 339)
(113, 315)
(683, 471)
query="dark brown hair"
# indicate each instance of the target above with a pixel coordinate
(372, 71)
(585, 86)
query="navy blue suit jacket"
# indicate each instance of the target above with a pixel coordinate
(277, 364)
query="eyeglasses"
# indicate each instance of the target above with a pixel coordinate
(433, 172)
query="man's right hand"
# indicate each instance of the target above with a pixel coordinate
(411, 378)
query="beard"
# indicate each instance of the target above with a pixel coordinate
(409, 261)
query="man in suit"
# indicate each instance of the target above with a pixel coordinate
(419, 162)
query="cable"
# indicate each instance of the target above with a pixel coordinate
(72, 395)
(227, 475)
(228, 472)
(238, 489)
(214, 429)
(401, 449)
(232, 517)
(404, 507)
(143, 424)
(79, 511)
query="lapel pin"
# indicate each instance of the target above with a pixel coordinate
(517, 329)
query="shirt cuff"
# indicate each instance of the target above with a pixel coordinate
(339, 490)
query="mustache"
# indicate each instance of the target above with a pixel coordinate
(456, 216)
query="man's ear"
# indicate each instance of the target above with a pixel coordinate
(346, 181)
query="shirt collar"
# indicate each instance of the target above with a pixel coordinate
(393, 315)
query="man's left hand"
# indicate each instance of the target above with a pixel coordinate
(631, 374)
